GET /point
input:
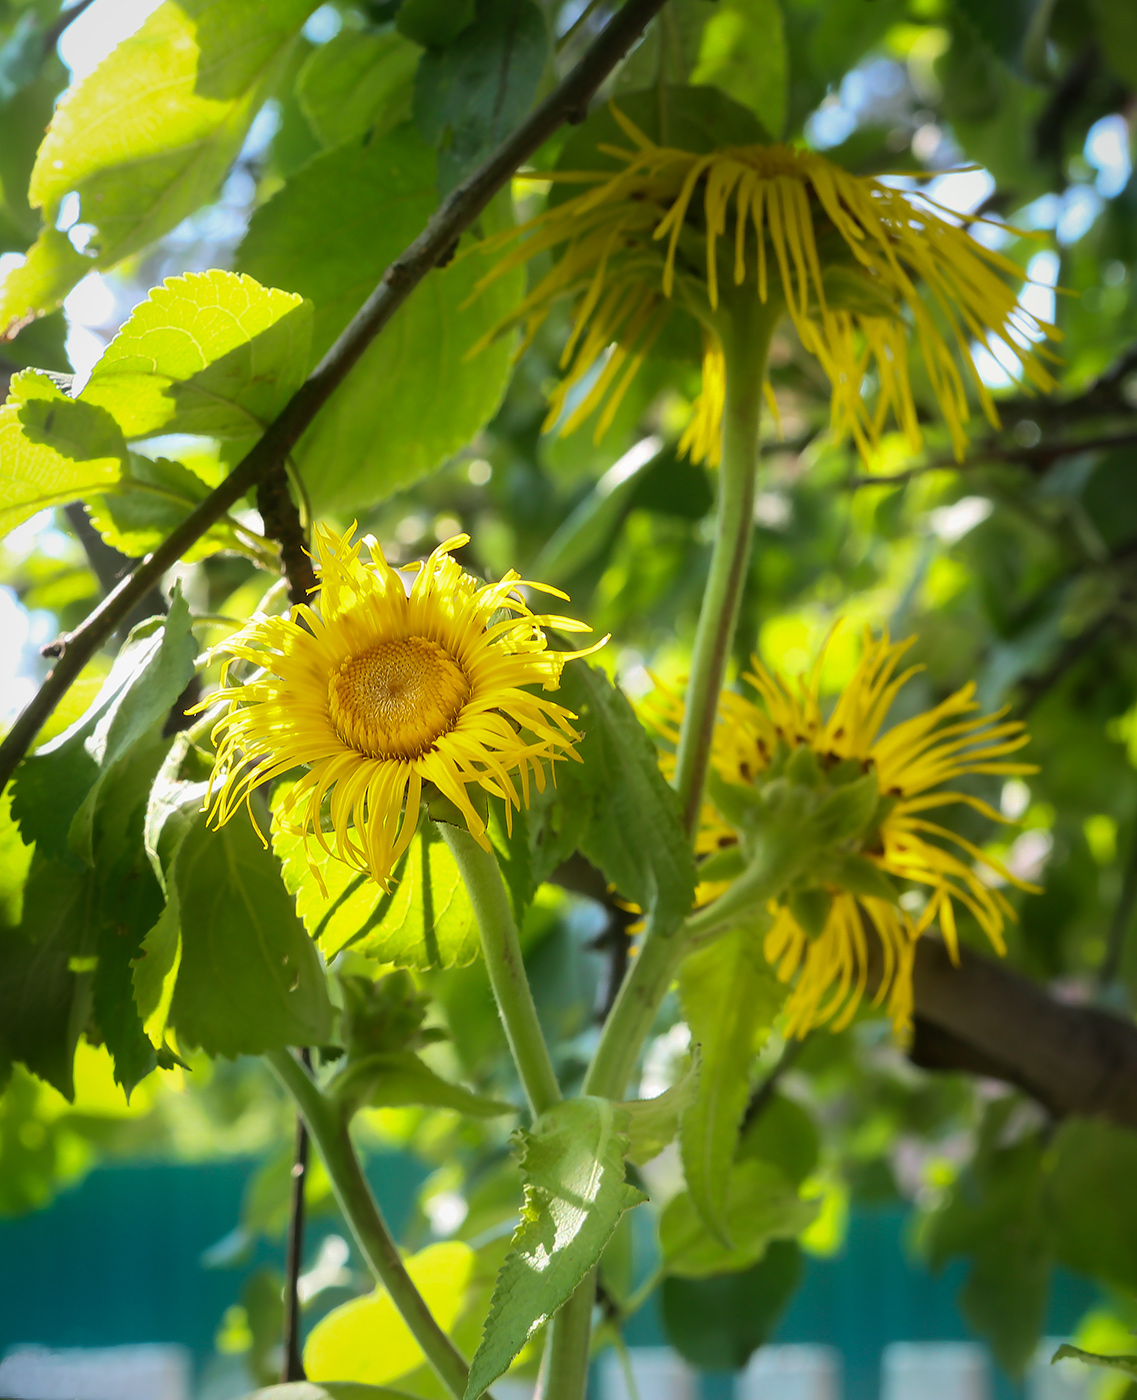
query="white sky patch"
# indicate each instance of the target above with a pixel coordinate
(951, 523)
(961, 191)
(1107, 150)
(100, 29)
(1081, 205)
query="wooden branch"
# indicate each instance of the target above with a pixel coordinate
(568, 102)
(983, 1017)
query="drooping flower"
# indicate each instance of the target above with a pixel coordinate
(914, 762)
(381, 691)
(863, 269)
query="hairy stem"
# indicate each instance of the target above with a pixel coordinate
(746, 340)
(498, 930)
(330, 1133)
(564, 1367)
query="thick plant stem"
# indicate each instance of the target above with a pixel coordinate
(330, 1133)
(564, 1368)
(498, 929)
(746, 340)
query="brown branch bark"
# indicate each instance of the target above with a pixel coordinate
(568, 102)
(983, 1017)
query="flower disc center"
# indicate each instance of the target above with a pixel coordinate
(397, 698)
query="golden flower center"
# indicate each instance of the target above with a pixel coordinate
(397, 698)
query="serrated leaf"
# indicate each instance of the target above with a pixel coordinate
(342, 1345)
(250, 979)
(632, 831)
(730, 997)
(470, 94)
(396, 1078)
(653, 1123)
(57, 788)
(388, 424)
(52, 449)
(210, 353)
(761, 1206)
(575, 1193)
(426, 922)
(1125, 1364)
(150, 500)
(148, 136)
(358, 83)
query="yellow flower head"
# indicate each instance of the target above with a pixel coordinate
(862, 269)
(912, 762)
(381, 691)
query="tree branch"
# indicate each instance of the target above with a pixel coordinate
(567, 103)
(982, 1017)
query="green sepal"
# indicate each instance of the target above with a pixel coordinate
(846, 812)
(397, 1079)
(810, 909)
(727, 864)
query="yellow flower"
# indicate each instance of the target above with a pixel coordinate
(382, 691)
(861, 268)
(912, 761)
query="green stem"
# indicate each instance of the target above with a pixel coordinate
(746, 340)
(330, 1133)
(498, 930)
(564, 1367)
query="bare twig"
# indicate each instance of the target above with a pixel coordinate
(567, 103)
(282, 524)
(1037, 458)
(292, 1366)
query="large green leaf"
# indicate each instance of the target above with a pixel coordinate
(151, 499)
(631, 826)
(250, 979)
(366, 1340)
(148, 136)
(575, 1194)
(743, 53)
(730, 997)
(471, 94)
(52, 449)
(358, 83)
(761, 1206)
(391, 421)
(1090, 1204)
(57, 788)
(212, 353)
(716, 1323)
(426, 921)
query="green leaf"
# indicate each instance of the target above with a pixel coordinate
(730, 998)
(761, 1206)
(15, 862)
(996, 1215)
(342, 1345)
(575, 1193)
(471, 94)
(653, 1123)
(147, 137)
(717, 1323)
(210, 353)
(426, 922)
(1117, 35)
(54, 449)
(1126, 1364)
(434, 23)
(151, 499)
(743, 53)
(632, 829)
(396, 1078)
(1089, 1200)
(46, 968)
(358, 83)
(783, 1133)
(388, 424)
(57, 788)
(250, 979)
